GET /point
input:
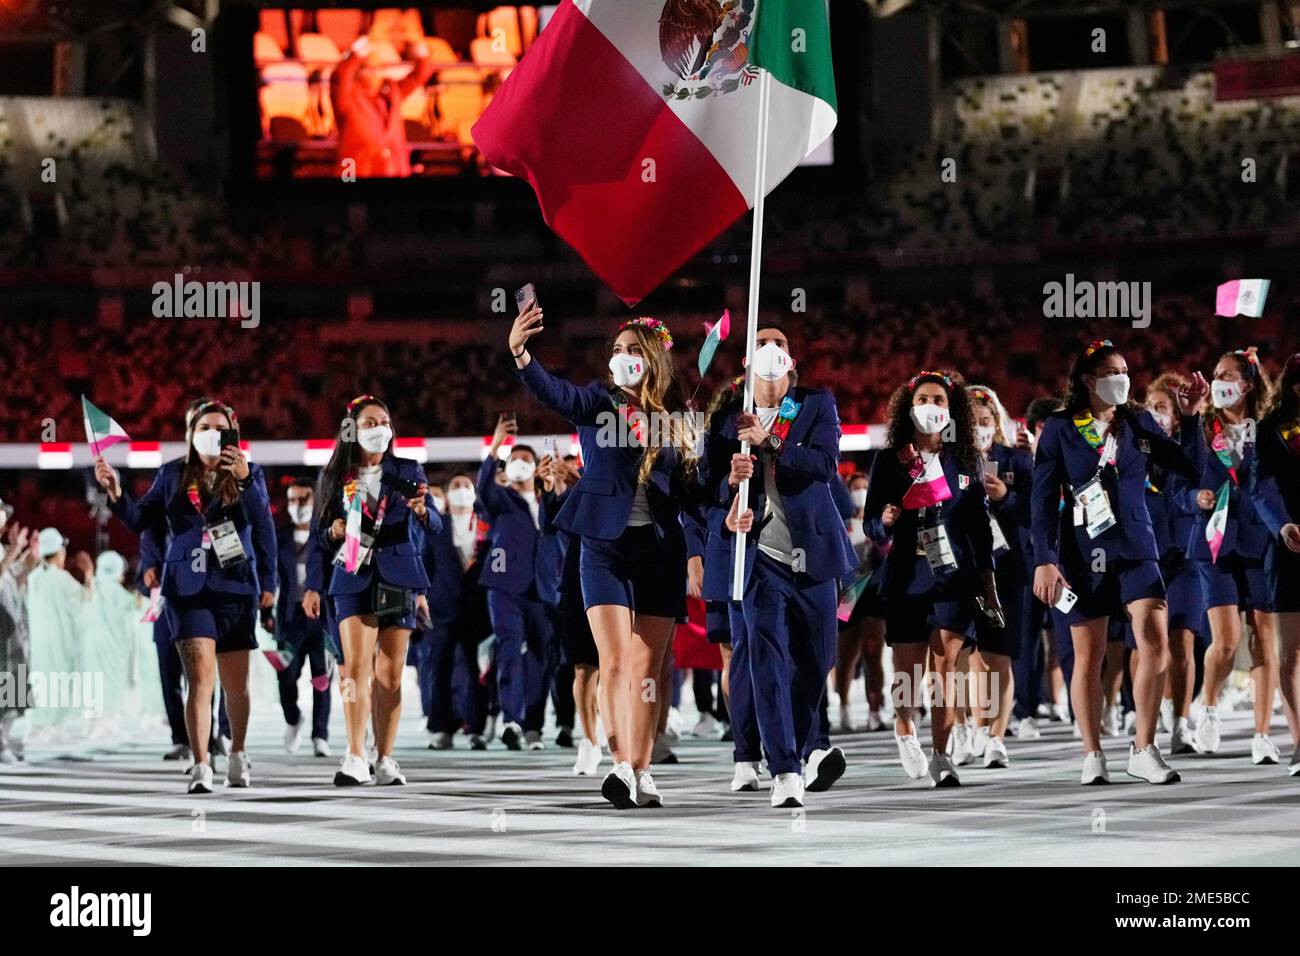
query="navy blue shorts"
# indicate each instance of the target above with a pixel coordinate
(1183, 592)
(1283, 567)
(232, 620)
(1235, 580)
(352, 605)
(636, 570)
(909, 618)
(1007, 641)
(1107, 593)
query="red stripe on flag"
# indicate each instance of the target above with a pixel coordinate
(577, 121)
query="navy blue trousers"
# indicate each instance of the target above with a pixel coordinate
(308, 640)
(790, 626)
(747, 742)
(1026, 614)
(524, 631)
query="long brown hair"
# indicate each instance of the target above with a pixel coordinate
(226, 486)
(660, 393)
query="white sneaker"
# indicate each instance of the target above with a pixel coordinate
(823, 768)
(237, 766)
(1294, 768)
(440, 741)
(200, 778)
(995, 754)
(179, 752)
(1147, 764)
(673, 727)
(979, 739)
(7, 756)
(1075, 732)
(706, 726)
(911, 756)
(293, 737)
(875, 722)
(745, 778)
(1264, 751)
(846, 721)
(619, 786)
(959, 744)
(221, 746)
(512, 735)
(1130, 722)
(388, 773)
(1209, 731)
(1028, 730)
(353, 771)
(647, 795)
(663, 751)
(372, 749)
(321, 747)
(1110, 721)
(1182, 740)
(942, 772)
(1094, 769)
(1167, 715)
(1060, 713)
(588, 758)
(787, 791)
(533, 738)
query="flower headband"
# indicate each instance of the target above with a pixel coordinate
(1097, 344)
(653, 325)
(977, 392)
(359, 401)
(1248, 356)
(940, 375)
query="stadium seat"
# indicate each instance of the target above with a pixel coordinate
(440, 51)
(397, 26)
(341, 26)
(274, 25)
(460, 102)
(266, 49)
(284, 94)
(317, 50)
(482, 53)
(503, 22)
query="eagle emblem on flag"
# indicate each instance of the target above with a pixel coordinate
(706, 45)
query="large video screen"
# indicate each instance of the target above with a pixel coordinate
(389, 93)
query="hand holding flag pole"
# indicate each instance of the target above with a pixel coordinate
(751, 332)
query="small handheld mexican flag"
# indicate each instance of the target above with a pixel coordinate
(717, 335)
(352, 533)
(1218, 522)
(101, 431)
(1241, 297)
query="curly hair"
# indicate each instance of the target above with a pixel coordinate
(902, 432)
(1258, 398)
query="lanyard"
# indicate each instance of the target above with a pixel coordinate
(350, 489)
(192, 492)
(635, 426)
(1228, 456)
(787, 413)
(1105, 448)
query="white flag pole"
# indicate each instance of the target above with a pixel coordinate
(751, 333)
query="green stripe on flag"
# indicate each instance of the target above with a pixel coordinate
(97, 423)
(791, 39)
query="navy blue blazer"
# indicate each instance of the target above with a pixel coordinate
(843, 500)
(1016, 469)
(806, 465)
(965, 518)
(397, 552)
(1245, 534)
(599, 505)
(289, 612)
(1173, 512)
(705, 525)
(167, 504)
(1275, 481)
(442, 567)
(151, 556)
(1064, 461)
(518, 560)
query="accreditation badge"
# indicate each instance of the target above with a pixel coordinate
(1095, 502)
(938, 549)
(226, 545)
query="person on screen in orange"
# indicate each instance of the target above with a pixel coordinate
(368, 109)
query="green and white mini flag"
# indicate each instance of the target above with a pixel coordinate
(101, 431)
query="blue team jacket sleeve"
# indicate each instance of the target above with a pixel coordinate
(696, 530)
(580, 406)
(1045, 497)
(492, 498)
(257, 505)
(1183, 456)
(979, 532)
(314, 579)
(819, 454)
(877, 497)
(149, 511)
(843, 500)
(1265, 491)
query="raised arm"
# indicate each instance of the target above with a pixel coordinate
(581, 406)
(421, 71)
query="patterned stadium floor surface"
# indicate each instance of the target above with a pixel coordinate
(121, 804)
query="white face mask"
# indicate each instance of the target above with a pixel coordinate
(1113, 389)
(628, 370)
(461, 497)
(1224, 394)
(771, 363)
(208, 443)
(440, 502)
(519, 470)
(859, 496)
(929, 419)
(984, 436)
(1164, 421)
(300, 514)
(375, 440)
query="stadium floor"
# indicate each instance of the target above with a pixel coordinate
(121, 804)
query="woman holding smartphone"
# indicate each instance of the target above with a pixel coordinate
(1275, 490)
(1233, 575)
(369, 506)
(1095, 455)
(626, 508)
(220, 567)
(925, 495)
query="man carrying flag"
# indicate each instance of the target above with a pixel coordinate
(639, 124)
(792, 563)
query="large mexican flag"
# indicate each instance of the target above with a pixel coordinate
(636, 122)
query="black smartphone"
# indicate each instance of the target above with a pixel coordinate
(526, 296)
(229, 436)
(403, 486)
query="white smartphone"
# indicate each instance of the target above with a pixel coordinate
(1067, 600)
(991, 468)
(548, 447)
